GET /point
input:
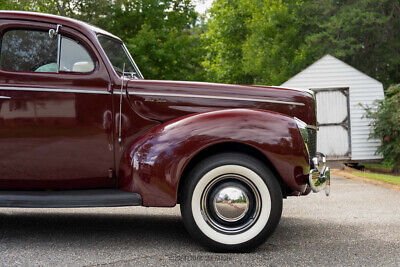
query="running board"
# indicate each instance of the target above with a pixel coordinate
(69, 199)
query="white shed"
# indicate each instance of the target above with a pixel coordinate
(340, 89)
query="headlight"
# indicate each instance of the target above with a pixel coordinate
(303, 130)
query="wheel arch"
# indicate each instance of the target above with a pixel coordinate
(228, 147)
(154, 163)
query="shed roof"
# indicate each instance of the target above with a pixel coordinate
(324, 69)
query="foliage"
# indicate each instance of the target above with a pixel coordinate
(268, 41)
(160, 34)
(363, 33)
(385, 122)
(252, 41)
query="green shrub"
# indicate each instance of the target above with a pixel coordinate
(385, 122)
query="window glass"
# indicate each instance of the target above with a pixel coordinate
(116, 54)
(74, 57)
(35, 51)
(28, 50)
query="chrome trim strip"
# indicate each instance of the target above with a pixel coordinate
(149, 94)
(55, 90)
(132, 61)
(309, 91)
(5, 97)
(58, 47)
(217, 97)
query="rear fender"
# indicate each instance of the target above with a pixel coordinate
(153, 164)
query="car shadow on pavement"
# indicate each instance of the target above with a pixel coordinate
(164, 236)
(146, 228)
(94, 228)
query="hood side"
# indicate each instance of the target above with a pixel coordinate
(167, 100)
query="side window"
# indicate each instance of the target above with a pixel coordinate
(74, 57)
(35, 51)
(28, 50)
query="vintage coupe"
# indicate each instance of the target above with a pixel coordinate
(81, 127)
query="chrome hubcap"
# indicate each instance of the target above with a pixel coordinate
(231, 204)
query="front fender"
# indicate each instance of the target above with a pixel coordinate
(153, 164)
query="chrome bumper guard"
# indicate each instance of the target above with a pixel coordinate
(320, 177)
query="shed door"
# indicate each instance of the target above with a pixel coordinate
(333, 137)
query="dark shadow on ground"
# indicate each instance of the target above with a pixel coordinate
(309, 241)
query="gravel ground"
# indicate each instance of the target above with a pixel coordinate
(359, 224)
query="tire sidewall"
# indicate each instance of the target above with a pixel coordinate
(253, 165)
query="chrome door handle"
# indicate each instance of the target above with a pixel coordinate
(5, 97)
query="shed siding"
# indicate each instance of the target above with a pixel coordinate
(331, 72)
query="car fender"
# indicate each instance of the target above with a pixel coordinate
(152, 164)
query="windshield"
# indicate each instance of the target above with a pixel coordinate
(118, 55)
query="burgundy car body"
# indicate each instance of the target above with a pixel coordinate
(60, 131)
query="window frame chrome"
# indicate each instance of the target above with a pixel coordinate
(126, 52)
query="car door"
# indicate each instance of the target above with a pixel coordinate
(56, 123)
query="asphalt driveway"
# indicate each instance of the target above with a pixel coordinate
(358, 225)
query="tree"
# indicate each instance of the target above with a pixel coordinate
(168, 43)
(274, 49)
(363, 33)
(223, 40)
(252, 41)
(160, 34)
(385, 122)
(268, 41)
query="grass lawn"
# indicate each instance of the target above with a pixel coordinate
(379, 167)
(381, 177)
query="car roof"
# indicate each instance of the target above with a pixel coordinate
(49, 18)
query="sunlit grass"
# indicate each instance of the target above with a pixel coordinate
(380, 177)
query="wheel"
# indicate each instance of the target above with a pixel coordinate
(231, 202)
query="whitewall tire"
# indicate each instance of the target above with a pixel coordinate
(231, 202)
